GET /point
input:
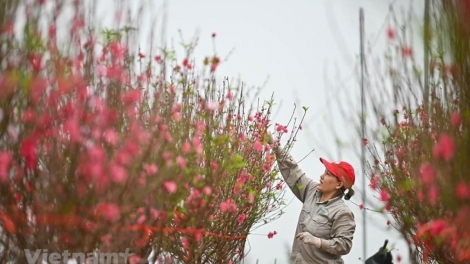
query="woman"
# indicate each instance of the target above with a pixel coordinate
(326, 225)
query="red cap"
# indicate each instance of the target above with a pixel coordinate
(342, 170)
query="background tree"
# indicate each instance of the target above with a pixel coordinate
(420, 145)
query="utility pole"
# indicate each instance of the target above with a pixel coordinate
(363, 124)
(426, 42)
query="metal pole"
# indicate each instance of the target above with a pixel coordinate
(364, 234)
(426, 43)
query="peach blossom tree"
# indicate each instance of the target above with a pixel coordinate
(105, 147)
(420, 150)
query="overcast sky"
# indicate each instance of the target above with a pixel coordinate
(308, 52)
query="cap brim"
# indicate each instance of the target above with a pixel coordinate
(330, 167)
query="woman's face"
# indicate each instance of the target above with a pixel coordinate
(329, 183)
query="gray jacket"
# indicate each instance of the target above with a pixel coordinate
(332, 221)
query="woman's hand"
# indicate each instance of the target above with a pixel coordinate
(270, 138)
(309, 239)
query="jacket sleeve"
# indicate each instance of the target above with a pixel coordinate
(342, 233)
(297, 181)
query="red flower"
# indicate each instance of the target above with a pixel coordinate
(109, 211)
(427, 173)
(406, 51)
(384, 195)
(455, 119)
(462, 190)
(228, 206)
(433, 194)
(241, 218)
(390, 33)
(5, 161)
(7, 223)
(444, 149)
(28, 151)
(364, 141)
(272, 234)
(374, 182)
(170, 186)
(398, 258)
(258, 146)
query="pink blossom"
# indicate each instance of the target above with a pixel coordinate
(28, 115)
(398, 258)
(141, 219)
(5, 162)
(186, 147)
(241, 218)
(462, 190)
(214, 165)
(272, 234)
(117, 49)
(118, 173)
(242, 178)
(364, 141)
(427, 173)
(455, 119)
(124, 157)
(150, 169)
(170, 186)
(135, 259)
(181, 162)
(420, 195)
(390, 33)
(258, 146)
(384, 195)
(211, 106)
(361, 207)
(433, 194)
(185, 242)
(111, 136)
(109, 211)
(102, 71)
(374, 181)
(132, 96)
(406, 51)
(35, 61)
(28, 151)
(228, 206)
(251, 197)
(155, 213)
(177, 116)
(72, 127)
(444, 149)
(38, 87)
(437, 226)
(207, 190)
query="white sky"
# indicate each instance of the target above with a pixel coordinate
(309, 51)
